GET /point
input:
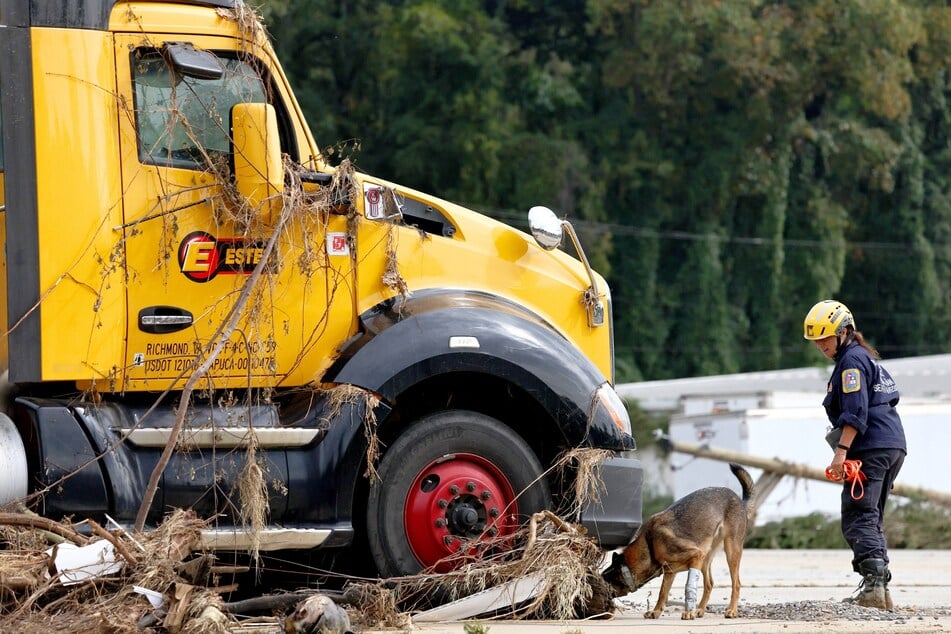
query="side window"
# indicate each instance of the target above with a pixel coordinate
(184, 121)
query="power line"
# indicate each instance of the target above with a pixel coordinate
(518, 219)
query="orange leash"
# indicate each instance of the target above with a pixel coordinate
(852, 472)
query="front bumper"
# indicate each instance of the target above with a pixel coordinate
(614, 518)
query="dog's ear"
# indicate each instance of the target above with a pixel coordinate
(612, 575)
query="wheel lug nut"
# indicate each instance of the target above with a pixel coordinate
(443, 504)
(454, 490)
(440, 523)
(493, 532)
(447, 540)
(470, 486)
(494, 512)
(486, 495)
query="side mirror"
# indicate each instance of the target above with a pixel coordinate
(546, 227)
(256, 150)
(549, 231)
(192, 62)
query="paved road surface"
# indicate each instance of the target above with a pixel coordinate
(797, 590)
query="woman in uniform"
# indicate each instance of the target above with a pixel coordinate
(860, 403)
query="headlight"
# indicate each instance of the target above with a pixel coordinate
(612, 403)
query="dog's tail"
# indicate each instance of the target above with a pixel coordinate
(746, 482)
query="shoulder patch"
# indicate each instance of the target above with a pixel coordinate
(851, 381)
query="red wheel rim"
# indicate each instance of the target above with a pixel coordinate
(458, 499)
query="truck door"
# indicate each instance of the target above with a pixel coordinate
(190, 242)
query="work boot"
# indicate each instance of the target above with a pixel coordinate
(888, 595)
(872, 592)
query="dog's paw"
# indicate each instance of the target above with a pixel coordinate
(688, 615)
(653, 614)
(731, 614)
(700, 612)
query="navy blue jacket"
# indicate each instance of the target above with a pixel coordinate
(861, 393)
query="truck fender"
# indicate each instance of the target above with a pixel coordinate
(439, 332)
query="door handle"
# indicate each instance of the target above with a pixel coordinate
(162, 320)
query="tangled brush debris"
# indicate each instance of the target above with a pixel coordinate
(41, 595)
(348, 395)
(169, 588)
(252, 492)
(560, 554)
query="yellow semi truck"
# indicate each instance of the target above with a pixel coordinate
(188, 285)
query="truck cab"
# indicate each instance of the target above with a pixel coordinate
(189, 288)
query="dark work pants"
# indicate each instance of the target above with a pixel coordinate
(862, 519)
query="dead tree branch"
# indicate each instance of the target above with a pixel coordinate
(41, 523)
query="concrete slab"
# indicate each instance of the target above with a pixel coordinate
(799, 590)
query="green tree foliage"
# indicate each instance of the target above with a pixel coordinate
(728, 162)
(809, 531)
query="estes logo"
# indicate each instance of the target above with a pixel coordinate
(201, 256)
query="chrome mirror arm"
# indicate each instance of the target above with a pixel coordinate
(549, 231)
(594, 304)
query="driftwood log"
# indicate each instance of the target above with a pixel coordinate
(780, 467)
(274, 601)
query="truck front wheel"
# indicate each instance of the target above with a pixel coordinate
(451, 480)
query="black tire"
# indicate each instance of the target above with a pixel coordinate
(426, 502)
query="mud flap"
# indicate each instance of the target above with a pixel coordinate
(616, 515)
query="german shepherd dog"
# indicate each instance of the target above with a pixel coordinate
(686, 536)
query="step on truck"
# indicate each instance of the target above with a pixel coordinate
(190, 288)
